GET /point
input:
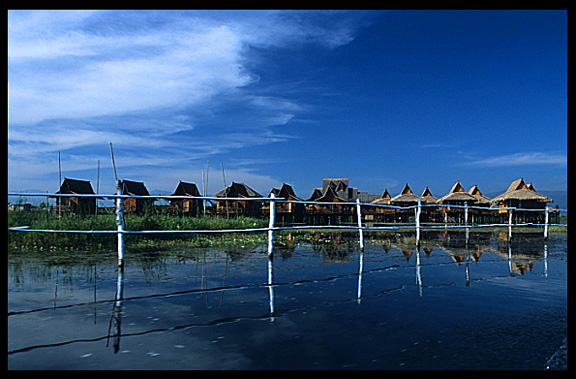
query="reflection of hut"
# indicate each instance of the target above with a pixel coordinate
(382, 214)
(286, 212)
(132, 205)
(456, 196)
(238, 207)
(77, 205)
(184, 206)
(406, 198)
(522, 195)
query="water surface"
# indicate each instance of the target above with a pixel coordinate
(452, 304)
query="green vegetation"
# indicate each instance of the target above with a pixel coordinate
(41, 220)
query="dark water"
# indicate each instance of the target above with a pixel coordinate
(488, 304)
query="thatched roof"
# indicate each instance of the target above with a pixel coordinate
(406, 196)
(384, 199)
(130, 187)
(457, 194)
(186, 189)
(76, 186)
(519, 190)
(329, 195)
(286, 192)
(237, 190)
(480, 199)
(427, 198)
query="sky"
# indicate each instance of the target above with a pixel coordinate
(382, 98)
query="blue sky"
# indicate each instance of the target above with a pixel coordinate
(379, 97)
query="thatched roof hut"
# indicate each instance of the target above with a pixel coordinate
(427, 197)
(237, 190)
(285, 192)
(520, 191)
(480, 198)
(186, 189)
(78, 205)
(406, 197)
(457, 195)
(184, 206)
(384, 199)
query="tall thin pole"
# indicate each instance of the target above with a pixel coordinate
(97, 187)
(59, 199)
(113, 163)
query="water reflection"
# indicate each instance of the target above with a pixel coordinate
(340, 268)
(116, 317)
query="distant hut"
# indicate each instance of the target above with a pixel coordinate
(429, 214)
(405, 198)
(186, 207)
(132, 205)
(76, 205)
(238, 207)
(522, 195)
(480, 216)
(382, 214)
(286, 212)
(332, 191)
(327, 213)
(456, 196)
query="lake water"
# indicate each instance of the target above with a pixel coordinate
(485, 304)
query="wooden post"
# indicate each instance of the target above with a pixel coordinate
(546, 224)
(271, 224)
(360, 230)
(418, 211)
(120, 224)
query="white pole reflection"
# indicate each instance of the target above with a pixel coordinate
(116, 318)
(545, 260)
(360, 277)
(418, 275)
(270, 288)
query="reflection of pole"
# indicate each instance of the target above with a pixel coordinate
(510, 259)
(360, 276)
(270, 288)
(116, 318)
(418, 276)
(545, 260)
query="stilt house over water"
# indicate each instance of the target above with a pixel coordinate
(76, 205)
(238, 207)
(456, 196)
(286, 212)
(405, 198)
(522, 195)
(133, 205)
(185, 207)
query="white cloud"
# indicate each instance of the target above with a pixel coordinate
(155, 83)
(519, 159)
